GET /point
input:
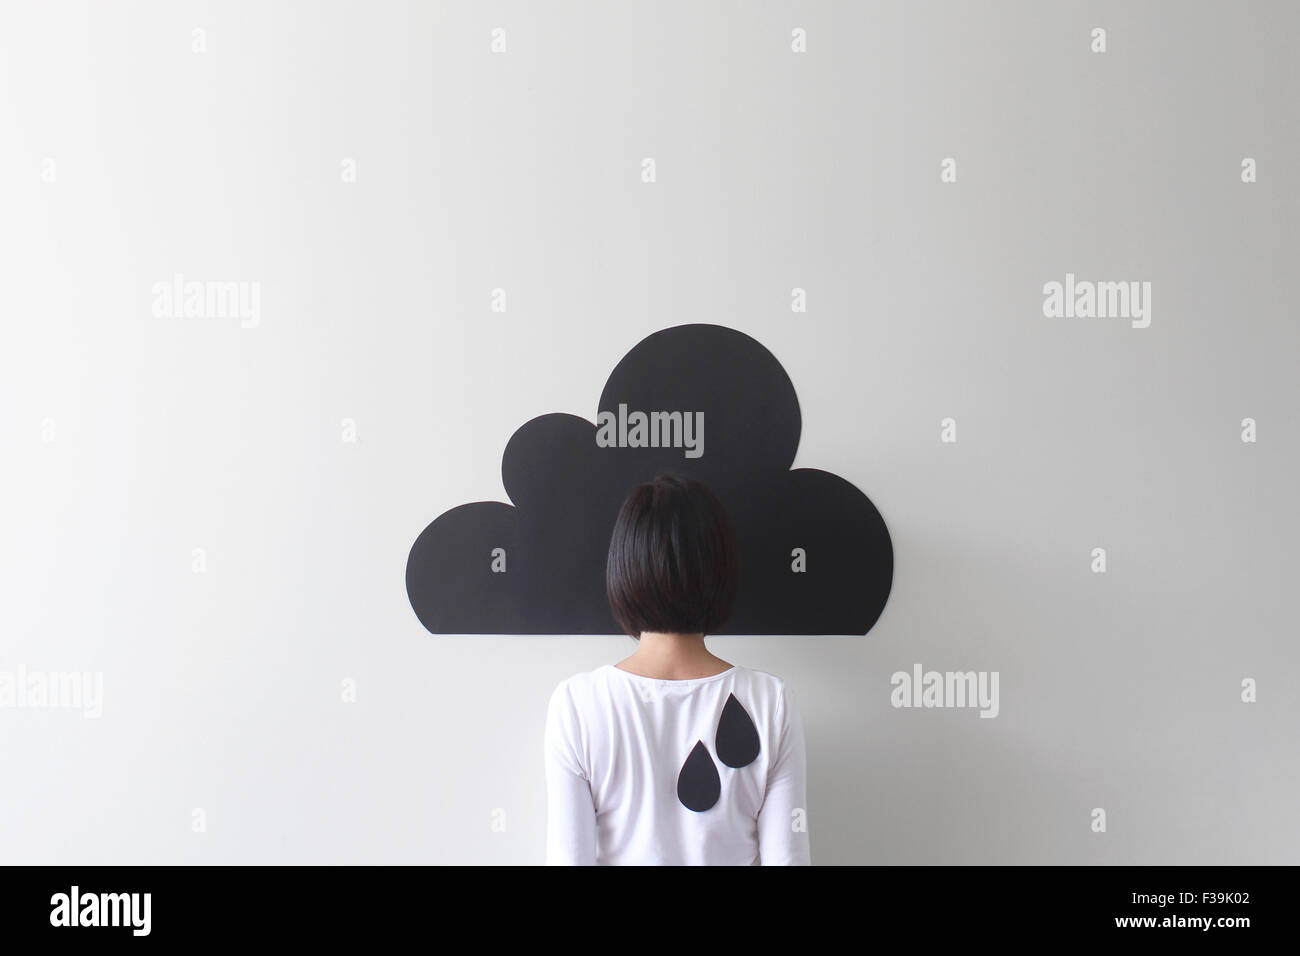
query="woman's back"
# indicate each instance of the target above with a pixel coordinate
(705, 771)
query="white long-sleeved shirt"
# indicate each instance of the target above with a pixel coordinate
(705, 771)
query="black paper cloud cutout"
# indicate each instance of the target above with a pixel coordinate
(567, 490)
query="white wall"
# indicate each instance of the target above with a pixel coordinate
(130, 439)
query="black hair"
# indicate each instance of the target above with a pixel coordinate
(673, 564)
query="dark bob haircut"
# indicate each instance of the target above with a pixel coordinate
(673, 565)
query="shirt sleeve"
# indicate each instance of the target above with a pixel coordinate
(783, 818)
(570, 811)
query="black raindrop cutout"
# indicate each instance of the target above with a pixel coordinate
(737, 740)
(698, 785)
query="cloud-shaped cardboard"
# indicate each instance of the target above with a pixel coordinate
(567, 490)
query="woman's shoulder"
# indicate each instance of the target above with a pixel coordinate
(579, 684)
(764, 680)
(583, 678)
(760, 676)
(768, 692)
